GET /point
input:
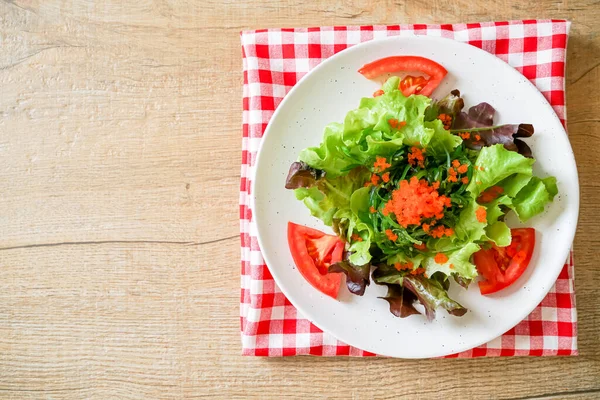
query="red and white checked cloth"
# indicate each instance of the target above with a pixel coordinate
(274, 60)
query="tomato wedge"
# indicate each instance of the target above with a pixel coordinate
(502, 266)
(407, 63)
(412, 85)
(313, 252)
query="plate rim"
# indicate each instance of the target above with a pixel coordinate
(517, 75)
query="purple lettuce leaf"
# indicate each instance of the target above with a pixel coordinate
(523, 148)
(450, 105)
(478, 123)
(301, 175)
(357, 276)
(401, 301)
(501, 134)
(462, 281)
(432, 295)
(479, 116)
(404, 289)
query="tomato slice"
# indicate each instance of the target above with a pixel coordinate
(502, 266)
(313, 252)
(407, 63)
(412, 85)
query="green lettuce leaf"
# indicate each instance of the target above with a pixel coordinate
(329, 195)
(319, 205)
(513, 184)
(329, 156)
(495, 208)
(442, 141)
(458, 259)
(360, 252)
(366, 133)
(359, 201)
(496, 164)
(391, 84)
(534, 197)
(345, 224)
(499, 233)
(469, 228)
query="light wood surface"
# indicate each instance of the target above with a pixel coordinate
(120, 127)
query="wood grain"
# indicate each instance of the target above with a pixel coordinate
(119, 161)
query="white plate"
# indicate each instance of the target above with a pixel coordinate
(325, 95)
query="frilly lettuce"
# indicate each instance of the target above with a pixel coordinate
(495, 163)
(330, 180)
(458, 262)
(366, 132)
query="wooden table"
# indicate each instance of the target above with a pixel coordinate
(120, 129)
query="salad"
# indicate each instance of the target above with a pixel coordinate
(416, 191)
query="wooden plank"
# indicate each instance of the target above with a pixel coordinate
(119, 156)
(150, 320)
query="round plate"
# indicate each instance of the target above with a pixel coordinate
(325, 95)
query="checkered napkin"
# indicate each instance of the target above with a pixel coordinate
(274, 60)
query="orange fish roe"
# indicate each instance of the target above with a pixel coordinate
(367, 184)
(391, 235)
(416, 157)
(465, 135)
(441, 258)
(393, 122)
(401, 124)
(435, 185)
(374, 179)
(421, 246)
(404, 266)
(451, 266)
(380, 164)
(378, 93)
(465, 180)
(415, 200)
(481, 214)
(477, 137)
(479, 168)
(457, 169)
(438, 231)
(446, 120)
(386, 177)
(356, 238)
(418, 271)
(490, 194)
(372, 210)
